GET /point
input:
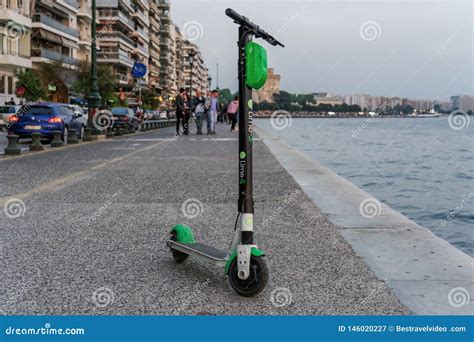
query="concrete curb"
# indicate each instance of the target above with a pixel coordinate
(427, 274)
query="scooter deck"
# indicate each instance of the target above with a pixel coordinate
(198, 248)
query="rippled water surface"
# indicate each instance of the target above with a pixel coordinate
(421, 167)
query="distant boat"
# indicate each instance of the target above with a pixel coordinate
(430, 114)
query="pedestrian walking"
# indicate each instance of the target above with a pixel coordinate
(232, 112)
(180, 109)
(207, 115)
(214, 107)
(198, 110)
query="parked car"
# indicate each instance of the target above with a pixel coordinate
(124, 118)
(6, 112)
(46, 117)
(81, 113)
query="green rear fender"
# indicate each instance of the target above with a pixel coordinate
(184, 234)
(255, 252)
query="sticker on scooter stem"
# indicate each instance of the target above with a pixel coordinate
(243, 155)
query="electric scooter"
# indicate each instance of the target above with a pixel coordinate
(243, 262)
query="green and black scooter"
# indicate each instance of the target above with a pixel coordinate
(243, 262)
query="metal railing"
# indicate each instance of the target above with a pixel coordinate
(115, 34)
(53, 55)
(44, 19)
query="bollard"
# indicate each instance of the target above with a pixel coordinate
(145, 126)
(87, 134)
(118, 132)
(110, 133)
(72, 138)
(36, 143)
(12, 148)
(131, 129)
(57, 142)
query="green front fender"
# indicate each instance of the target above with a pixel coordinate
(254, 251)
(184, 234)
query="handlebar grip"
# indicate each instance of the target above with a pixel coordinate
(234, 15)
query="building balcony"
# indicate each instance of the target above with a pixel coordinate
(111, 16)
(144, 4)
(163, 4)
(141, 35)
(72, 3)
(114, 36)
(14, 60)
(52, 55)
(139, 15)
(115, 57)
(12, 14)
(59, 28)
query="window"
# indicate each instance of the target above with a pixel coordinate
(10, 85)
(65, 111)
(2, 84)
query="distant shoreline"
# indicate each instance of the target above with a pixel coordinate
(319, 115)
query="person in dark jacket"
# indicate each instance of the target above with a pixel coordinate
(180, 109)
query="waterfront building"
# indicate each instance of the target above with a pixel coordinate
(15, 37)
(272, 86)
(84, 19)
(462, 102)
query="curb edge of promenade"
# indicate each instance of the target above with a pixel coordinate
(421, 269)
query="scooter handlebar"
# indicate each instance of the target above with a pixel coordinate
(244, 21)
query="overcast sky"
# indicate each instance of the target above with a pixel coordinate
(417, 49)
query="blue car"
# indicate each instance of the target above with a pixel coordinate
(44, 118)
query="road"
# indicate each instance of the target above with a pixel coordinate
(90, 238)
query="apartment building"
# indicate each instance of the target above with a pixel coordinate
(84, 20)
(154, 63)
(15, 36)
(168, 35)
(462, 102)
(55, 35)
(199, 70)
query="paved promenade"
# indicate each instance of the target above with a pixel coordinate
(91, 236)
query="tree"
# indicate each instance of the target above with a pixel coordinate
(31, 81)
(225, 95)
(107, 82)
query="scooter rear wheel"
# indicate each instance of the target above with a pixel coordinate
(256, 281)
(178, 256)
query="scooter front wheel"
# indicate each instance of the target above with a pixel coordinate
(256, 281)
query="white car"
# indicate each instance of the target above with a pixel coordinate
(6, 112)
(80, 112)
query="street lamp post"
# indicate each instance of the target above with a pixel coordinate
(94, 96)
(192, 53)
(209, 83)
